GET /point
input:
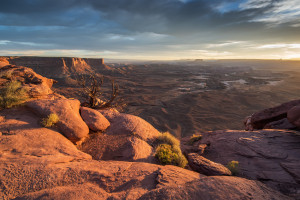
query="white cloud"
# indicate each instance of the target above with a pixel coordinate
(282, 11)
(252, 4)
(225, 44)
(278, 46)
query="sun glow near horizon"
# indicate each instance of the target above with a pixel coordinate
(152, 30)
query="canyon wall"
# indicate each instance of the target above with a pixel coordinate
(59, 67)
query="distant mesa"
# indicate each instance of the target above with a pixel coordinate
(60, 67)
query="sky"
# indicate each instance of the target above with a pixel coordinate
(151, 29)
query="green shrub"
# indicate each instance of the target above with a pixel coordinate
(50, 120)
(12, 94)
(168, 138)
(168, 152)
(194, 138)
(165, 154)
(233, 166)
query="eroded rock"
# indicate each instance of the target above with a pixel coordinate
(94, 119)
(260, 119)
(204, 166)
(128, 138)
(70, 122)
(293, 116)
(36, 85)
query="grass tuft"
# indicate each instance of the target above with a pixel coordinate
(50, 120)
(233, 166)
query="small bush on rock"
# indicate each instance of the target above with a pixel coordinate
(168, 152)
(50, 120)
(12, 94)
(233, 167)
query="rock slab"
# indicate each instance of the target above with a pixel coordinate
(204, 166)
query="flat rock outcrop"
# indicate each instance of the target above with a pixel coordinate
(270, 156)
(204, 166)
(94, 119)
(262, 118)
(70, 122)
(39, 163)
(36, 85)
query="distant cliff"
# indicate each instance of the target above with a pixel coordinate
(59, 67)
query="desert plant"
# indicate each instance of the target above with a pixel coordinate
(91, 85)
(233, 166)
(168, 155)
(165, 154)
(12, 94)
(194, 138)
(168, 138)
(50, 120)
(168, 151)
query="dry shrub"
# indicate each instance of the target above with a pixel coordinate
(12, 94)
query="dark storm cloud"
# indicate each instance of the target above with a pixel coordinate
(139, 25)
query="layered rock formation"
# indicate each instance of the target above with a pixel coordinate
(59, 67)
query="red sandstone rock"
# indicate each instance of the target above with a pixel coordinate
(293, 116)
(280, 124)
(204, 166)
(36, 85)
(39, 163)
(125, 124)
(128, 138)
(70, 122)
(259, 119)
(94, 119)
(271, 156)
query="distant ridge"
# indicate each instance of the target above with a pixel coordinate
(59, 67)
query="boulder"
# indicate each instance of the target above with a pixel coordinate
(204, 166)
(109, 113)
(293, 116)
(270, 156)
(280, 124)
(128, 138)
(70, 122)
(94, 119)
(125, 124)
(260, 119)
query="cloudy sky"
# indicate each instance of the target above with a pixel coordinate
(151, 29)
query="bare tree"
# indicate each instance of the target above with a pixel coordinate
(91, 85)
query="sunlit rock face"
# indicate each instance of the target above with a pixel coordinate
(59, 67)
